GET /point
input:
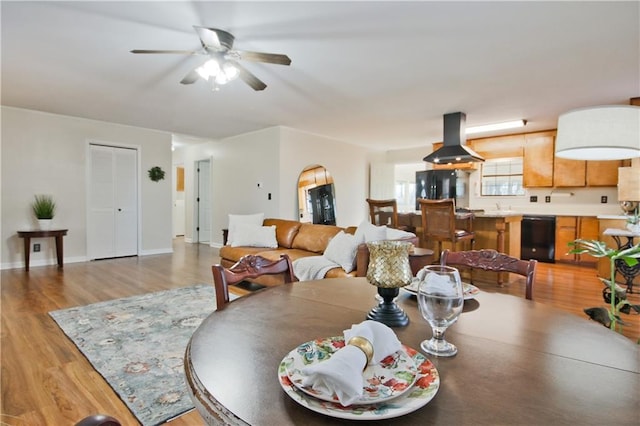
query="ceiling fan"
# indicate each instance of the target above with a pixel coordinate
(222, 65)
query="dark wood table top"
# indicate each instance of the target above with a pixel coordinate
(38, 233)
(519, 362)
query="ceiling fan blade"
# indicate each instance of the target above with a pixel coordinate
(190, 78)
(219, 40)
(271, 58)
(247, 77)
(179, 52)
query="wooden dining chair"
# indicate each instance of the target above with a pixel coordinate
(491, 260)
(249, 266)
(439, 223)
(385, 212)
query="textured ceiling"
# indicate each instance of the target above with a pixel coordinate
(378, 74)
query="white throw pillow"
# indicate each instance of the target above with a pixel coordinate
(368, 232)
(398, 234)
(249, 235)
(342, 250)
(235, 219)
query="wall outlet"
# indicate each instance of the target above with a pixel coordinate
(547, 198)
(603, 199)
(533, 199)
(36, 247)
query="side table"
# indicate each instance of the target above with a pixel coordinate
(627, 272)
(56, 233)
(419, 258)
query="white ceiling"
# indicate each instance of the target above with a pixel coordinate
(378, 74)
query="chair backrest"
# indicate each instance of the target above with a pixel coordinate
(438, 219)
(248, 266)
(383, 212)
(491, 260)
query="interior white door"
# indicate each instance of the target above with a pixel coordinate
(204, 201)
(112, 221)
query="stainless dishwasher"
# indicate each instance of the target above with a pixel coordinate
(538, 238)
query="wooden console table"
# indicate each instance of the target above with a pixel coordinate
(627, 272)
(56, 233)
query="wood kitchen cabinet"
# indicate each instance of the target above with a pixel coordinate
(538, 159)
(604, 173)
(499, 147)
(570, 228)
(569, 173)
(566, 227)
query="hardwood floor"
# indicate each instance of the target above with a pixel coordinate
(46, 380)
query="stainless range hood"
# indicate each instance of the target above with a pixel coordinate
(454, 149)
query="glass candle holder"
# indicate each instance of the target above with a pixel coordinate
(389, 269)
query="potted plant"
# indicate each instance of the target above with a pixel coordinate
(612, 294)
(44, 208)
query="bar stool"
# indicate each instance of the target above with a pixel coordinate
(439, 223)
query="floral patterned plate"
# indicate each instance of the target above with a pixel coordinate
(470, 290)
(423, 391)
(391, 378)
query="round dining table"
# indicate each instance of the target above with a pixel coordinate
(519, 362)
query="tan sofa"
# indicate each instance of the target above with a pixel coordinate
(299, 240)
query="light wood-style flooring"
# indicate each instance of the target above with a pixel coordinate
(46, 381)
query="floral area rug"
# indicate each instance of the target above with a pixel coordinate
(137, 344)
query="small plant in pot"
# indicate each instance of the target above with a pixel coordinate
(44, 208)
(610, 317)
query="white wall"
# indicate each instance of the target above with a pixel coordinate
(275, 157)
(348, 164)
(46, 153)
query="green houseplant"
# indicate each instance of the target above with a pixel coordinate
(613, 294)
(44, 208)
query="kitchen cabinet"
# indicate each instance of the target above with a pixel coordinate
(566, 227)
(499, 147)
(538, 159)
(604, 173)
(570, 228)
(580, 173)
(569, 173)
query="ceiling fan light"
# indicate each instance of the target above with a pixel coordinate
(227, 74)
(211, 68)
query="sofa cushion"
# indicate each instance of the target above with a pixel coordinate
(368, 232)
(235, 219)
(254, 236)
(286, 230)
(314, 238)
(275, 254)
(342, 250)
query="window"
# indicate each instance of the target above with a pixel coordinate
(502, 176)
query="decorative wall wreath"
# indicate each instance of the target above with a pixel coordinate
(156, 174)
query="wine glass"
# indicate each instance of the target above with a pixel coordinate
(440, 299)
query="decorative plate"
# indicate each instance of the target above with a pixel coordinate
(470, 290)
(391, 378)
(425, 388)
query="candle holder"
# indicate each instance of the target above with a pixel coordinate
(389, 270)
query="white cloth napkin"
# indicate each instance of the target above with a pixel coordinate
(342, 373)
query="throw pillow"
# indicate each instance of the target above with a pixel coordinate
(342, 249)
(398, 234)
(368, 232)
(235, 219)
(249, 235)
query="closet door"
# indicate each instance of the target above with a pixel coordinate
(112, 229)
